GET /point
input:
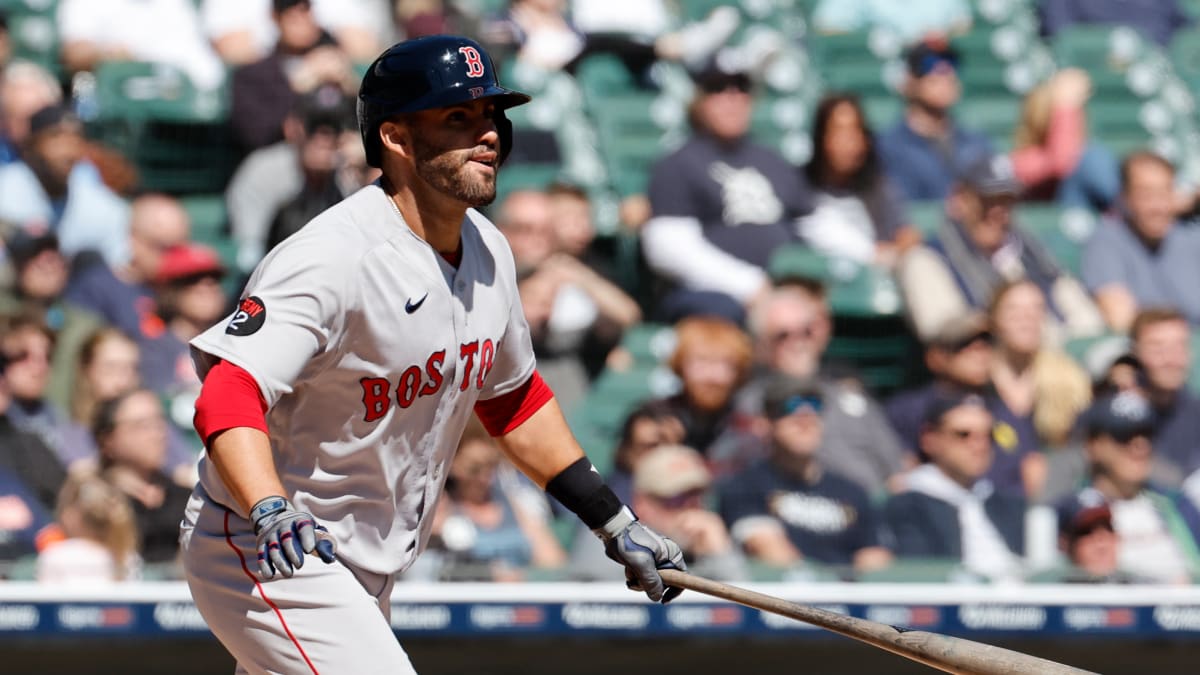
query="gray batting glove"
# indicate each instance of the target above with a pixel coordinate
(643, 552)
(285, 536)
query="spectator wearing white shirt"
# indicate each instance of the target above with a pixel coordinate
(242, 31)
(158, 31)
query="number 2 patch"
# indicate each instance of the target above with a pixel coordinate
(249, 317)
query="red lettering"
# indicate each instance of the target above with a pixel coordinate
(433, 368)
(375, 397)
(468, 352)
(406, 391)
(486, 356)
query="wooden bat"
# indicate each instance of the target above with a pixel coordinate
(943, 652)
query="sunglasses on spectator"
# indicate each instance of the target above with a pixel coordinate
(794, 404)
(962, 344)
(930, 62)
(682, 500)
(968, 434)
(806, 332)
(21, 356)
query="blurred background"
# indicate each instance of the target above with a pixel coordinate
(887, 306)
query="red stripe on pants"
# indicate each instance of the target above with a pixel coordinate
(242, 560)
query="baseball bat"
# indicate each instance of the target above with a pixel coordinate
(943, 652)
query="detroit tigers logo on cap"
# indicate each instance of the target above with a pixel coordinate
(249, 317)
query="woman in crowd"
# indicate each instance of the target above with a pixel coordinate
(108, 366)
(1053, 157)
(858, 213)
(101, 537)
(1043, 389)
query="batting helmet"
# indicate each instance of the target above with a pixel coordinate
(430, 72)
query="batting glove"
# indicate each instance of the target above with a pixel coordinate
(285, 536)
(643, 552)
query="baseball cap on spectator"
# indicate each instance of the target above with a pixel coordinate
(923, 57)
(944, 402)
(961, 330)
(326, 107)
(991, 177)
(716, 75)
(1123, 416)
(669, 471)
(187, 262)
(1080, 516)
(53, 117)
(24, 245)
(784, 395)
(284, 5)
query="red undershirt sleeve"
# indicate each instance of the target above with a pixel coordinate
(229, 398)
(506, 412)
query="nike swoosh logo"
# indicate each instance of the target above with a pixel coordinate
(410, 306)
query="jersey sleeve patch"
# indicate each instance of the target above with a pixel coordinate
(250, 316)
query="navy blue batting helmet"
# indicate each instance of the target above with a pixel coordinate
(430, 72)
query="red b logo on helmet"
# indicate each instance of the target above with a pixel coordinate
(474, 61)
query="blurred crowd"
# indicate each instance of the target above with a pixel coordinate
(1006, 455)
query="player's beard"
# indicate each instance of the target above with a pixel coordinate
(445, 171)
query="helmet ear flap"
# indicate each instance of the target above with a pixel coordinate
(504, 129)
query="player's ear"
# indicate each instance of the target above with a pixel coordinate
(395, 136)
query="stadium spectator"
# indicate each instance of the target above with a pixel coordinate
(721, 205)
(53, 187)
(100, 536)
(25, 88)
(575, 230)
(28, 345)
(792, 329)
(859, 214)
(485, 533)
(789, 507)
(1086, 535)
(25, 455)
(670, 486)
(305, 57)
(122, 295)
(243, 31)
(1053, 157)
(159, 31)
(5, 40)
(906, 22)
(1162, 344)
(189, 298)
(1042, 389)
(959, 359)
(712, 359)
(948, 509)
(1156, 20)
(25, 525)
(647, 427)
(639, 32)
(108, 366)
(131, 433)
(977, 249)
(1142, 256)
(571, 310)
(1156, 530)
(927, 149)
(327, 174)
(41, 278)
(270, 178)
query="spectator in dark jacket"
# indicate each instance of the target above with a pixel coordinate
(26, 456)
(948, 509)
(1156, 20)
(305, 57)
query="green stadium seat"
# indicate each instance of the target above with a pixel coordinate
(882, 110)
(927, 216)
(914, 570)
(207, 214)
(177, 135)
(995, 116)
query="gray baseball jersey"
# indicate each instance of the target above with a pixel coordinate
(371, 351)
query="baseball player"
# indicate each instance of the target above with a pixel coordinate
(335, 394)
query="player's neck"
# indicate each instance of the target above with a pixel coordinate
(433, 218)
